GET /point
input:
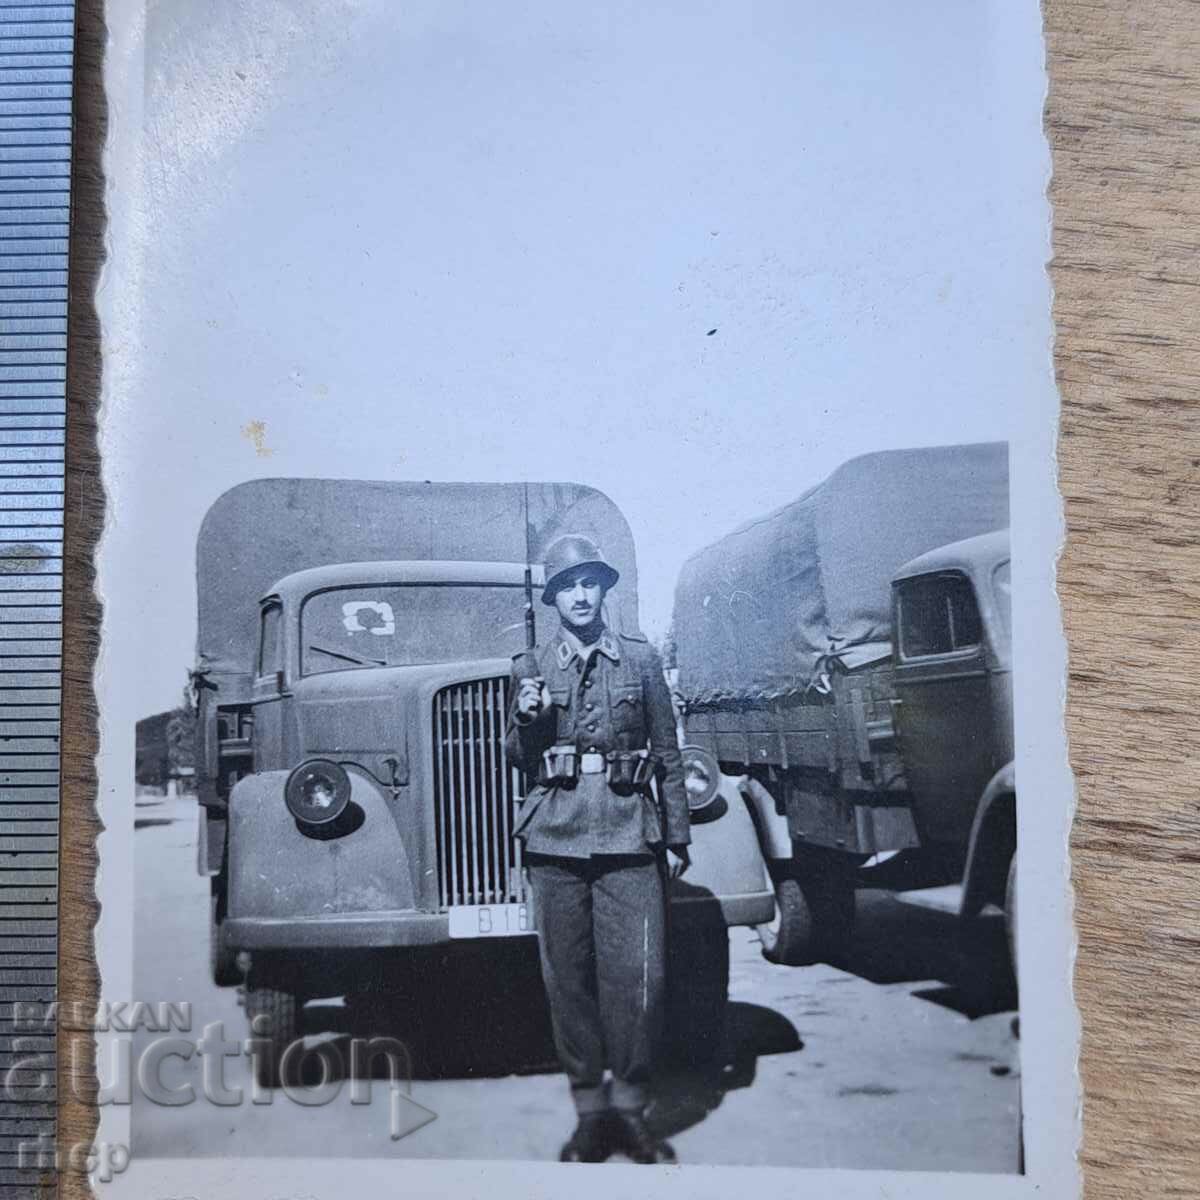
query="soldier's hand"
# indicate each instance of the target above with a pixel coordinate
(532, 697)
(678, 860)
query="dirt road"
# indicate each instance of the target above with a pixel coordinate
(876, 1063)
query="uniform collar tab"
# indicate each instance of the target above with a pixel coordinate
(569, 647)
(608, 645)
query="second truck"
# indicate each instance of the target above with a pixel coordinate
(848, 659)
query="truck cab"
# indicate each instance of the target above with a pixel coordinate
(953, 716)
(396, 675)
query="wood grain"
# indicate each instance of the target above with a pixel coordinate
(1123, 118)
(1124, 124)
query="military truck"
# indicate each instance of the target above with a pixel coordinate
(847, 658)
(356, 804)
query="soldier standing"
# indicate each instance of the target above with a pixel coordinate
(594, 727)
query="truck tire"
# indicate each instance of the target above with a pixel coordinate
(274, 1015)
(835, 909)
(222, 957)
(697, 990)
(814, 919)
(788, 939)
(1010, 913)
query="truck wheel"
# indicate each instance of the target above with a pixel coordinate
(697, 990)
(1010, 913)
(835, 908)
(788, 939)
(814, 917)
(274, 1014)
(222, 957)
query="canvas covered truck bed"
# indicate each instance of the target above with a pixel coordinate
(783, 627)
(260, 531)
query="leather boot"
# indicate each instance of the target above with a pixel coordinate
(636, 1140)
(592, 1140)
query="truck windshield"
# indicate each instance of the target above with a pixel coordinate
(399, 625)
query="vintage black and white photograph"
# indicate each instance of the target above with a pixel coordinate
(578, 599)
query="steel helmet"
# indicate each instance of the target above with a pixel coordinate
(567, 553)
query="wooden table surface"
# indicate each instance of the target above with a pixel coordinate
(1123, 119)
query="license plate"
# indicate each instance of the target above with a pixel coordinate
(490, 920)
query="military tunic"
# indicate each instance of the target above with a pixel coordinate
(594, 853)
(609, 696)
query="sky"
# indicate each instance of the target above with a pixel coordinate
(695, 255)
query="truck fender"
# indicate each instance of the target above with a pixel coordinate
(993, 842)
(769, 823)
(278, 872)
(727, 875)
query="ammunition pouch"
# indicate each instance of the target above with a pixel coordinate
(631, 770)
(624, 770)
(559, 766)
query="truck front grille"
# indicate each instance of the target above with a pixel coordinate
(475, 792)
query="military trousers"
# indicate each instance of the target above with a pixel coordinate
(602, 938)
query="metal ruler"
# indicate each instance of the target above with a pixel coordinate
(37, 42)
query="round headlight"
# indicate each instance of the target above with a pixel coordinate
(317, 791)
(701, 778)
